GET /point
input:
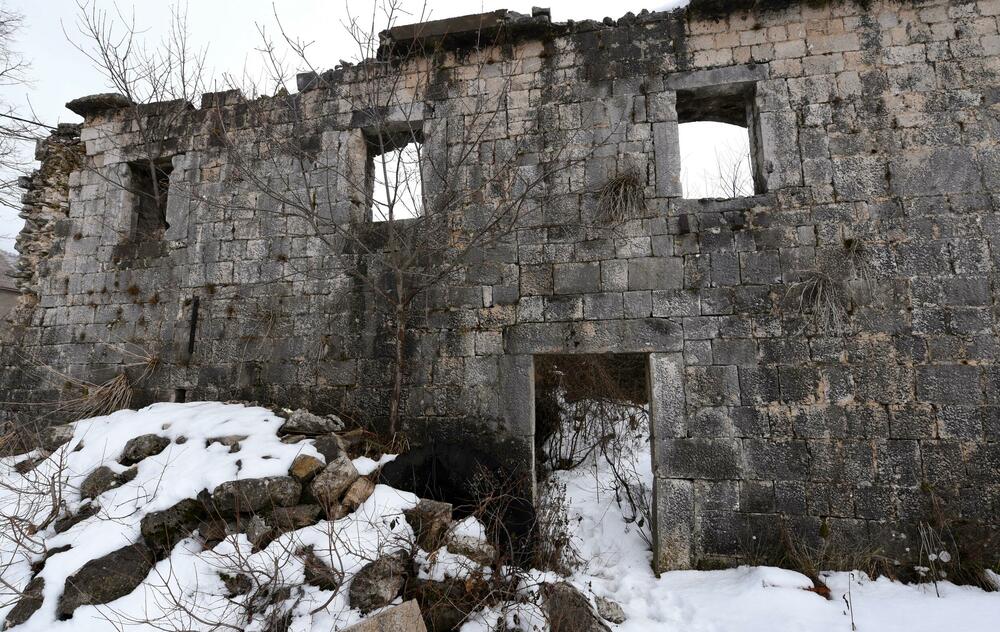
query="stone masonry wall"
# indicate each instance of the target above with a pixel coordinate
(822, 355)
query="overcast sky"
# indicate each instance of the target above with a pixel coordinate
(229, 31)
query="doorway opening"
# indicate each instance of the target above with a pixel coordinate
(592, 413)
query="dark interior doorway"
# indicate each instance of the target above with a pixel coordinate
(572, 390)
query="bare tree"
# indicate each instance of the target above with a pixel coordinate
(16, 127)
(157, 83)
(400, 200)
(400, 207)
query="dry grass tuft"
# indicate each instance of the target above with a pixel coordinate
(622, 197)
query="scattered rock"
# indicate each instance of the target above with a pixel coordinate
(67, 522)
(330, 484)
(25, 466)
(430, 521)
(379, 582)
(163, 529)
(30, 601)
(330, 446)
(253, 494)
(305, 467)
(357, 493)
(230, 441)
(258, 532)
(292, 518)
(104, 478)
(142, 447)
(38, 566)
(304, 422)
(402, 618)
(213, 531)
(53, 437)
(105, 579)
(318, 573)
(610, 610)
(477, 550)
(353, 441)
(568, 610)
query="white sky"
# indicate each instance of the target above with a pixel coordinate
(229, 30)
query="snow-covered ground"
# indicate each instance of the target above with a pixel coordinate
(748, 599)
(187, 591)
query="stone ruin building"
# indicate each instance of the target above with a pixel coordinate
(820, 355)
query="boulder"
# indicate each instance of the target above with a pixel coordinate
(569, 610)
(105, 579)
(25, 466)
(68, 522)
(305, 467)
(253, 494)
(430, 521)
(163, 529)
(478, 550)
(330, 446)
(357, 493)
(39, 565)
(292, 518)
(54, 436)
(610, 610)
(30, 601)
(379, 582)
(104, 478)
(230, 441)
(305, 423)
(142, 447)
(258, 532)
(213, 531)
(402, 618)
(330, 484)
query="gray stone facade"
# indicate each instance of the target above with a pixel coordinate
(822, 354)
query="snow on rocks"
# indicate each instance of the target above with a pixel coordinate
(303, 422)
(402, 618)
(175, 523)
(169, 544)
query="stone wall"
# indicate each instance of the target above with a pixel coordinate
(822, 355)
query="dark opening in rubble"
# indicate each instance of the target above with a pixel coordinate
(475, 482)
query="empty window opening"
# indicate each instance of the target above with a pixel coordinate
(718, 147)
(394, 177)
(149, 183)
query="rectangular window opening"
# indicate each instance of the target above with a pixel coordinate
(395, 182)
(149, 183)
(719, 148)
